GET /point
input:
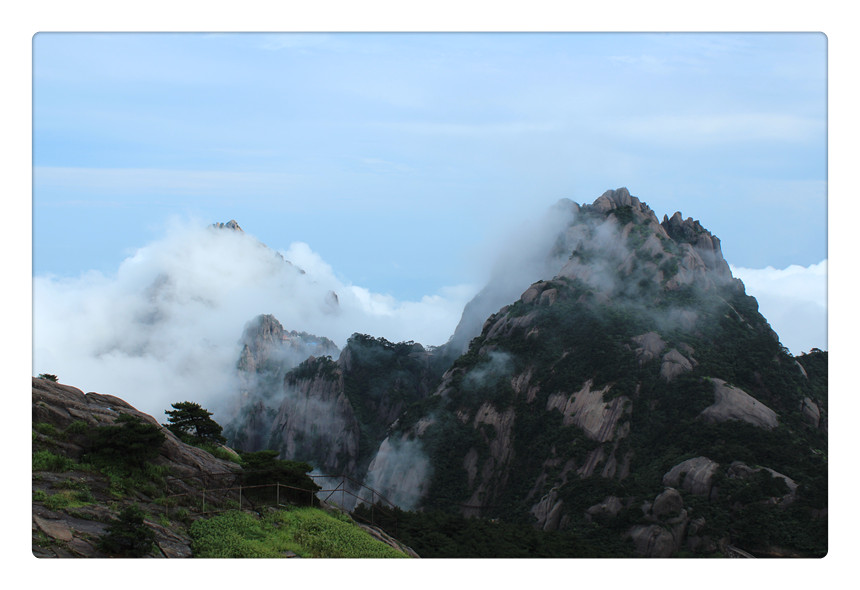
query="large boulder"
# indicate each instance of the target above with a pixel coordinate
(608, 508)
(694, 475)
(674, 363)
(667, 504)
(732, 403)
(648, 346)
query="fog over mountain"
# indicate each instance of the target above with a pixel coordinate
(794, 300)
(166, 326)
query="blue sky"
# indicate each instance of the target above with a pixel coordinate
(400, 157)
(394, 169)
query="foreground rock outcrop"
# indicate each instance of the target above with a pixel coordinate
(74, 506)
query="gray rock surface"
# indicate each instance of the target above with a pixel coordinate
(811, 412)
(674, 363)
(667, 504)
(587, 409)
(609, 507)
(694, 475)
(649, 346)
(731, 403)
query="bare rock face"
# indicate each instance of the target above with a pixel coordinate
(586, 409)
(608, 508)
(267, 346)
(693, 475)
(494, 471)
(668, 533)
(624, 245)
(731, 403)
(811, 412)
(649, 346)
(705, 245)
(548, 511)
(667, 504)
(674, 363)
(268, 352)
(316, 419)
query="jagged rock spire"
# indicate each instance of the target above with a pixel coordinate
(229, 225)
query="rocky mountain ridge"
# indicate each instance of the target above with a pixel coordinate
(584, 396)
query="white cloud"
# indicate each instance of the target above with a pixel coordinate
(793, 300)
(166, 326)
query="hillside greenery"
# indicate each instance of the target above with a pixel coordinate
(305, 532)
(584, 340)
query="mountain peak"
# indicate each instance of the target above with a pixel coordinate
(229, 225)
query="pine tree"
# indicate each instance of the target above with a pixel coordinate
(128, 536)
(192, 424)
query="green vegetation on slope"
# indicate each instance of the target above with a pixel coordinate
(306, 532)
(437, 534)
(582, 338)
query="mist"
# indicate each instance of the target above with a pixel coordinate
(794, 301)
(520, 255)
(167, 326)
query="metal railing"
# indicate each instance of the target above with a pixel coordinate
(204, 500)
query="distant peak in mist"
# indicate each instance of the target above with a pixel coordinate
(229, 225)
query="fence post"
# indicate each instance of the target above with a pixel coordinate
(278, 494)
(240, 497)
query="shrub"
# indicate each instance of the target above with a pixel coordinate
(128, 536)
(263, 468)
(126, 446)
(221, 452)
(47, 429)
(77, 427)
(47, 461)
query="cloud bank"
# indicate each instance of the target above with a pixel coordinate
(794, 301)
(166, 326)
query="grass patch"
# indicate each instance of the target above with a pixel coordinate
(65, 499)
(307, 532)
(45, 460)
(148, 480)
(47, 429)
(220, 452)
